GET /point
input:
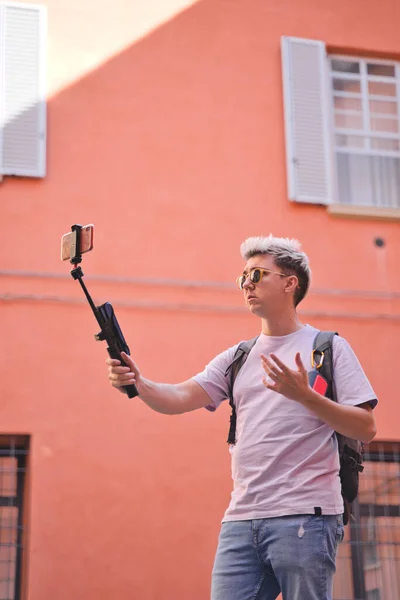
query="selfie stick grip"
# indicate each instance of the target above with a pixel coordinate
(112, 334)
(131, 390)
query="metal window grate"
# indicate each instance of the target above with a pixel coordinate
(366, 124)
(13, 458)
(368, 564)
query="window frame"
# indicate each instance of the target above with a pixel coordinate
(338, 206)
(17, 447)
(377, 452)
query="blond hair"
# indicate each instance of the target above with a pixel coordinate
(287, 255)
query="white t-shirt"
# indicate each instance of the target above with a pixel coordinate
(285, 460)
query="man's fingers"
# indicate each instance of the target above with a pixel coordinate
(122, 380)
(280, 364)
(268, 363)
(122, 373)
(274, 374)
(112, 362)
(299, 363)
(128, 361)
(122, 370)
(269, 367)
(270, 386)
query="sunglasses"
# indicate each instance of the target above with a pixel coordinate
(255, 276)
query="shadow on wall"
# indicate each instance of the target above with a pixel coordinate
(164, 144)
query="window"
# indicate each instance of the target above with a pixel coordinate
(365, 102)
(368, 564)
(22, 95)
(13, 455)
(342, 118)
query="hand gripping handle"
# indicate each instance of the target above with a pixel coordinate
(111, 332)
(131, 390)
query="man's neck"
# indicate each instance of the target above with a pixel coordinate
(281, 324)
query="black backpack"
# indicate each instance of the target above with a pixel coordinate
(350, 451)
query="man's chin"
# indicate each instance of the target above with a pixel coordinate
(255, 309)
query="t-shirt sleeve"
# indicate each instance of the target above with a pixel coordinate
(213, 379)
(352, 385)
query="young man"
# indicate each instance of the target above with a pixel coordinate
(285, 461)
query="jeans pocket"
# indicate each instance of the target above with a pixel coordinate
(339, 529)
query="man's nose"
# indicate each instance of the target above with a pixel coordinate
(248, 283)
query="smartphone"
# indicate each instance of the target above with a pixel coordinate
(317, 382)
(68, 242)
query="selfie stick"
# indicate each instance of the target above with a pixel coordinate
(110, 330)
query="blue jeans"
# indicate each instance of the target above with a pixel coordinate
(259, 559)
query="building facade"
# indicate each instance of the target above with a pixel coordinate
(179, 128)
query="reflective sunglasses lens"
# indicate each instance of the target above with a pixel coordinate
(241, 281)
(255, 276)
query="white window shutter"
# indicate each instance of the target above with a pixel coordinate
(22, 91)
(307, 120)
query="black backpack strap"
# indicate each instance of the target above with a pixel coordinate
(322, 351)
(350, 458)
(240, 357)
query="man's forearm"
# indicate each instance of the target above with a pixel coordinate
(352, 421)
(164, 398)
(173, 399)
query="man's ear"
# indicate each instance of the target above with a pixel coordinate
(291, 283)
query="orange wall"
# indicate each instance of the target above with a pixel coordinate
(174, 149)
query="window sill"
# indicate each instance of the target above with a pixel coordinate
(365, 212)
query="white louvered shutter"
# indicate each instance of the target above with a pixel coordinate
(22, 91)
(307, 120)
